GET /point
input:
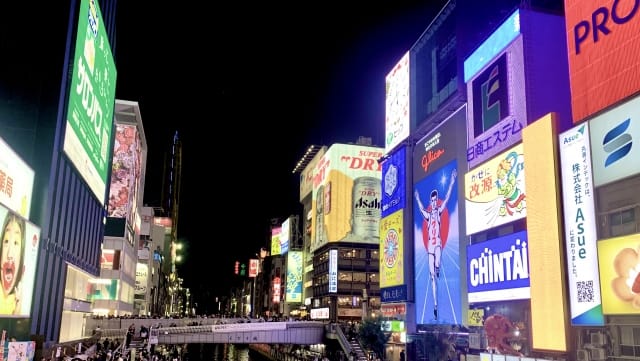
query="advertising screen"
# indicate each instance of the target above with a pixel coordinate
(619, 261)
(580, 235)
(19, 256)
(346, 196)
(91, 99)
(612, 135)
(275, 241)
(394, 181)
(397, 121)
(603, 39)
(499, 269)
(294, 277)
(495, 192)
(436, 247)
(333, 271)
(440, 146)
(125, 174)
(104, 289)
(285, 230)
(497, 105)
(306, 175)
(434, 69)
(142, 274)
(495, 44)
(254, 267)
(549, 310)
(16, 181)
(21, 351)
(392, 250)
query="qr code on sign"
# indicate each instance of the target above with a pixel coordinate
(585, 291)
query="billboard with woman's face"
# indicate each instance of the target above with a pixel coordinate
(18, 256)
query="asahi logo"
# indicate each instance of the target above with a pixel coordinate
(617, 143)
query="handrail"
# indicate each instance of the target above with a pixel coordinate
(335, 329)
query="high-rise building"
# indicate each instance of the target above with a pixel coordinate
(44, 119)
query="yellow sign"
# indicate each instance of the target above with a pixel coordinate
(392, 250)
(476, 317)
(619, 261)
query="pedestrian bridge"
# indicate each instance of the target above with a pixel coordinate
(294, 332)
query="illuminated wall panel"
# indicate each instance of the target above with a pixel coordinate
(548, 307)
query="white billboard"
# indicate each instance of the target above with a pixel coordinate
(612, 135)
(333, 271)
(16, 181)
(580, 227)
(397, 121)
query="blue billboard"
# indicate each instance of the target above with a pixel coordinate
(499, 269)
(394, 181)
(436, 247)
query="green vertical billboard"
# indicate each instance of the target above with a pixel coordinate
(91, 99)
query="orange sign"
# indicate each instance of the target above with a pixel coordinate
(603, 38)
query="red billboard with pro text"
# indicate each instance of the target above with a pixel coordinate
(603, 39)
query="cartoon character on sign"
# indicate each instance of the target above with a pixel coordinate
(435, 231)
(509, 190)
(627, 285)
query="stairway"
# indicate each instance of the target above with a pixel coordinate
(138, 344)
(360, 354)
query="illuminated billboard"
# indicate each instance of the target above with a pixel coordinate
(392, 250)
(293, 291)
(495, 192)
(434, 65)
(436, 221)
(619, 261)
(549, 310)
(436, 247)
(394, 181)
(91, 100)
(126, 172)
(397, 121)
(347, 195)
(497, 105)
(307, 174)
(275, 241)
(580, 233)
(333, 271)
(16, 181)
(498, 269)
(441, 145)
(603, 39)
(285, 231)
(104, 289)
(612, 137)
(18, 257)
(142, 276)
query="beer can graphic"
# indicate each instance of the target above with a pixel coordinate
(365, 216)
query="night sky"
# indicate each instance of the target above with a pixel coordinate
(248, 87)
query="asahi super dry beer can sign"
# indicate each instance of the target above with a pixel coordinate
(347, 195)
